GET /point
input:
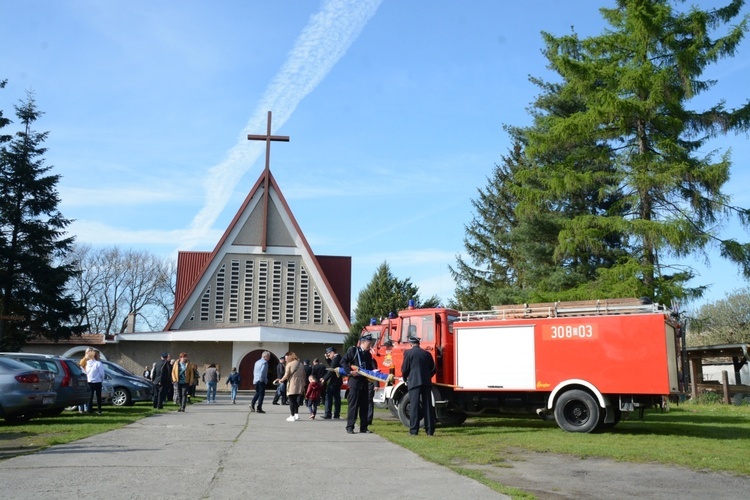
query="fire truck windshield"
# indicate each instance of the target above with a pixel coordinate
(422, 327)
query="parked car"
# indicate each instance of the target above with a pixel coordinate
(24, 391)
(70, 380)
(128, 387)
(108, 392)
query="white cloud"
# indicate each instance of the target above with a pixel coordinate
(96, 233)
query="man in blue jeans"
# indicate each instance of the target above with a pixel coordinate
(260, 378)
(211, 377)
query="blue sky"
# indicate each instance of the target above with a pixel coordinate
(395, 111)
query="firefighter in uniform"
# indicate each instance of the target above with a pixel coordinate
(417, 370)
(359, 385)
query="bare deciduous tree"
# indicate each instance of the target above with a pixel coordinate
(726, 321)
(114, 283)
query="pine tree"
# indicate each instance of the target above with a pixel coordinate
(33, 279)
(634, 83)
(385, 294)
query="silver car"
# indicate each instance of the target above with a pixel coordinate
(24, 391)
(70, 380)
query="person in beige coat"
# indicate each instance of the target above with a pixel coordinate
(183, 374)
(294, 376)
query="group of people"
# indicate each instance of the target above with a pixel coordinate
(296, 382)
(417, 370)
(299, 382)
(177, 379)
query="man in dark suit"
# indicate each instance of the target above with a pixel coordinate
(332, 382)
(417, 370)
(359, 385)
(161, 376)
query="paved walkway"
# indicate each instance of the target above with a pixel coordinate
(223, 451)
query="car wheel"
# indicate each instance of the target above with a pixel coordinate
(121, 397)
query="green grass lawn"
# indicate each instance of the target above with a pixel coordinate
(700, 437)
(40, 433)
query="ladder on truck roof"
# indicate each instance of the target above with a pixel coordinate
(563, 309)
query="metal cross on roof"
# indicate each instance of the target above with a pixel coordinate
(268, 138)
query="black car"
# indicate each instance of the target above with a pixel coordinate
(128, 387)
(70, 380)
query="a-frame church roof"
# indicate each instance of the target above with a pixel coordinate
(262, 272)
(262, 282)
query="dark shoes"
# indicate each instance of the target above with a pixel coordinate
(350, 431)
(366, 431)
(259, 411)
(275, 403)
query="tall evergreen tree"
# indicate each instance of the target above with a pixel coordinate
(635, 82)
(33, 297)
(384, 294)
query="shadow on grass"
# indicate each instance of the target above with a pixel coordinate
(721, 427)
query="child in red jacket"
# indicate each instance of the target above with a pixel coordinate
(312, 396)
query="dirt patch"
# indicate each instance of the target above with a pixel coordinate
(550, 476)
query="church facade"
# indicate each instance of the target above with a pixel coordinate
(252, 294)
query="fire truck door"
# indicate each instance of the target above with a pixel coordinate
(496, 357)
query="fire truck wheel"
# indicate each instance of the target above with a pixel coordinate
(392, 407)
(577, 411)
(404, 410)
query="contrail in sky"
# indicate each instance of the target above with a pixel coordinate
(325, 39)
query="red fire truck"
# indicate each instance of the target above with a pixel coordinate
(581, 363)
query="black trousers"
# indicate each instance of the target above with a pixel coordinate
(420, 406)
(260, 393)
(160, 393)
(332, 404)
(95, 388)
(358, 407)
